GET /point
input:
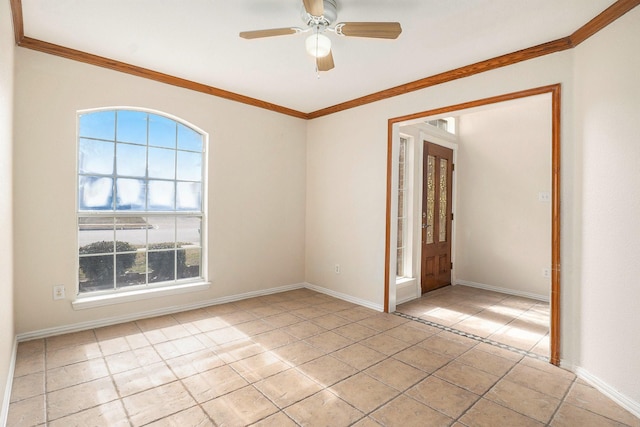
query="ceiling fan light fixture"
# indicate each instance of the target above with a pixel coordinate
(318, 45)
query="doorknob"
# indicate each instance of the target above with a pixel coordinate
(426, 225)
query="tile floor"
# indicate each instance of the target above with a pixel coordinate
(294, 358)
(518, 322)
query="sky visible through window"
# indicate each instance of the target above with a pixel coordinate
(156, 163)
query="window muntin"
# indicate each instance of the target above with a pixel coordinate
(140, 200)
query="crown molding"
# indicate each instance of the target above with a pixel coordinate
(609, 15)
(605, 18)
(459, 73)
(123, 67)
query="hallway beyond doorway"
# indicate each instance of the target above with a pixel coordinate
(518, 322)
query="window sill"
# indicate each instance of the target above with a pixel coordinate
(404, 280)
(82, 303)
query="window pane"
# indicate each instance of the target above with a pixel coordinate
(130, 194)
(189, 166)
(162, 231)
(137, 273)
(124, 266)
(93, 230)
(96, 273)
(162, 131)
(95, 193)
(131, 231)
(162, 265)
(190, 268)
(189, 139)
(188, 231)
(131, 160)
(189, 198)
(101, 125)
(161, 195)
(431, 197)
(400, 203)
(162, 163)
(400, 263)
(95, 157)
(132, 127)
(442, 215)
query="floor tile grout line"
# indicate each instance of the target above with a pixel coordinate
(113, 382)
(482, 396)
(472, 336)
(452, 360)
(573, 384)
(403, 392)
(563, 399)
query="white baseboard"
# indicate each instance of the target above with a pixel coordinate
(4, 411)
(613, 394)
(82, 326)
(345, 297)
(544, 298)
(75, 327)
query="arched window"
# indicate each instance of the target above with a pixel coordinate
(141, 178)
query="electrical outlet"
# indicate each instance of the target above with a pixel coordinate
(544, 196)
(337, 268)
(546, 272)
(58, 292)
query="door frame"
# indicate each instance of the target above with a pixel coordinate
(555, 91)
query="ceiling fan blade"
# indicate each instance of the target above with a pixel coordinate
(314, 7)
(325, 63)
(380, 30)
(268, 33)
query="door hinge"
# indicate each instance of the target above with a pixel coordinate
(453, 167)
(451, 266)
(451, 216)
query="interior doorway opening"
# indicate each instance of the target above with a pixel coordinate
(552, 216)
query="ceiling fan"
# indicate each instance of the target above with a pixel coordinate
(318, 16)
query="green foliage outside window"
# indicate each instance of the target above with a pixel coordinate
(100, 268)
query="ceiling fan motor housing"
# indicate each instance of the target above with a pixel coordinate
(330, 15)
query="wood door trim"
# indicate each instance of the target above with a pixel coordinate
(555, 91)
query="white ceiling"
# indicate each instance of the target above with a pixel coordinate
(198, 40)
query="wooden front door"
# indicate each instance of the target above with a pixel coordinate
(436, 216)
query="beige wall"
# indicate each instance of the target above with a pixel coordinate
(607, 123)
(256, 187)
(7, 331)
(503, 232)
(346, 176)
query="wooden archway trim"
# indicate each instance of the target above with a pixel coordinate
(555, 91)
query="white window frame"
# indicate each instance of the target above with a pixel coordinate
(146, 290)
